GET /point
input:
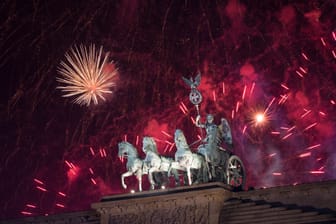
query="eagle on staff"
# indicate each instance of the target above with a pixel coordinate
(195, 96)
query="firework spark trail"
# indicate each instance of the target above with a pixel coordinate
(269, 105)
(252, 89)
(183, 108)
(85, 76)
(92, 151)
(305, 56)
(307, 154)
(310, 126)
(244, 91)
(299, 73)
(306, 113)
(313, 146)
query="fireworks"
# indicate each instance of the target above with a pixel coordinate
(86, 76)
(259, 118)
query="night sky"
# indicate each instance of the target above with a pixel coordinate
(275, 57)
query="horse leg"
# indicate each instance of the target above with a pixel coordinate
(208, 167)
(151, 179)
(176, 177)
(139, 177)
(127, 174)
(189, 175)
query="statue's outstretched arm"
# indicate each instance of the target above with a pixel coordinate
(198, 123)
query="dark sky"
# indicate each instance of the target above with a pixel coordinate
(278, 56)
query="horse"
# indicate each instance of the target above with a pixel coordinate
(157, 163)
(189, 160)
(134, 165)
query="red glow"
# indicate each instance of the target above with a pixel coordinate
(223, 88)
(271, 155)
(332, 102)
(214, 95)
(125, 138)
(232, 114)
(26, 213)
(334, 35)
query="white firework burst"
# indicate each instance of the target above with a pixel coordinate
(85, 75)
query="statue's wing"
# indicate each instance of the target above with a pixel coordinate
(197, 79)
(187, 81)
(226, 131)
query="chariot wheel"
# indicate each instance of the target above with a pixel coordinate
(235, 173)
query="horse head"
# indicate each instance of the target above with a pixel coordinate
(148, 144)
(126, 149)
(180, 140)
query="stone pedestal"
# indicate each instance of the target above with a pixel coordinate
(195, 204)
